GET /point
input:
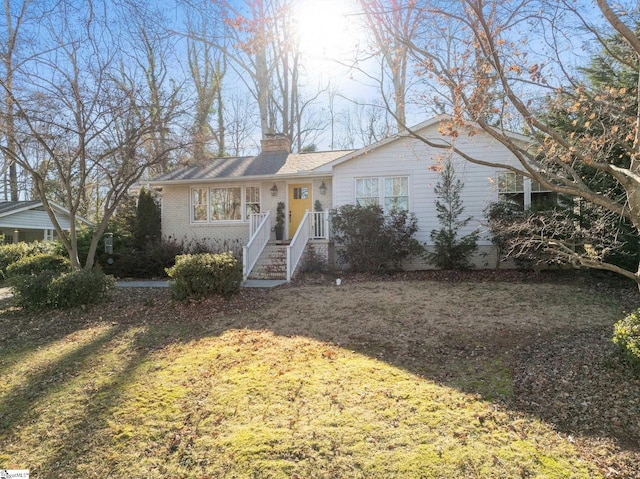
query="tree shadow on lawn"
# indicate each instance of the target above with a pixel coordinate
(544, 349)
(507, 362)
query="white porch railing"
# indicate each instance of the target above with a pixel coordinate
(314, 225)
(297, 245)
(254, 222)
(320, 225)
(260, 231)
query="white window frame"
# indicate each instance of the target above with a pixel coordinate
(380, 199)
(192, 205)
(384, 188)
(246, 212)
(244, 218)
(366, 200)
(528, 187)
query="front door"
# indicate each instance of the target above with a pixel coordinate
(299, 204)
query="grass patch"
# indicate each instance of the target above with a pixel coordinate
(363, 384)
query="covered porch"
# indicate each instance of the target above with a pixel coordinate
(28, 221)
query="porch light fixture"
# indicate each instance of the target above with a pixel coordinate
(323, 188)
(274, 190)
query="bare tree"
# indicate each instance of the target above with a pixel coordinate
(146, 68)
(362, 124)
(207, 68)
(239, 119)
(17, 16)
(507, 58)
(391, 23)
(81, 120)
(261, 45)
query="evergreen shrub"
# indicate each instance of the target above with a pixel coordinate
(31, 290)
(151, 262)
(450, 249)
(626, 335)
(147, 227)
(200, 275)
(10, 253)
(79, 287)
(373, 241)
(37, 263)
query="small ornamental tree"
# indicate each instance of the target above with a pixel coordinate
(449, 250)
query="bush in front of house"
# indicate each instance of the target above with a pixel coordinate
(150, 262)
(10, 253)
(52, 289)
(626, 335)
(31, 275)
(79, 287)
(38, 263)
(31, 290)
(374, 241)
(200, 275)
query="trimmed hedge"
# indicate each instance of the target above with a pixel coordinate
(38, 263)
(626, 335)
(200, 275)
(10, 253)
(150, 262)
(79, 287)
(31, 290)
(51, 289)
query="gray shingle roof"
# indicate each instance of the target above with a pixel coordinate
(265, 164)
(9, 206)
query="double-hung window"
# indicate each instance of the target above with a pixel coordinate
(226, 204)
(214, 204)
(396, 193)
(251, 201)
(367, 191)
(525, 192)
(199, 205)
(541, 198)
(511, 188)
(392, 193)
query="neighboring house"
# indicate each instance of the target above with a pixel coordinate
(214, 202)
(28, 221)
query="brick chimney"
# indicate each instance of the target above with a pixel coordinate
(275, 142)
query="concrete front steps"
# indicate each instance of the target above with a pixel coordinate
(272, 263)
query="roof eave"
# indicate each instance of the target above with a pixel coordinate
(54, 206)
(240, 179)
(406, 134)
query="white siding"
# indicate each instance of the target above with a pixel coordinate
(32, 219)
(412, 158)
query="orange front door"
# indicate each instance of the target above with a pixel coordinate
(299, 204)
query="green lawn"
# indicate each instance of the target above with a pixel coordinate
(291, 383)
